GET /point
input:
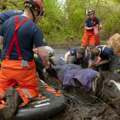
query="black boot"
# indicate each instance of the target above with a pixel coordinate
(13, 99)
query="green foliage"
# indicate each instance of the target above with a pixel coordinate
(51, 23)
(63, 21)
(11, 5)
(111, 25)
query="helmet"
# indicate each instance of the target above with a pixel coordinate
(91, 11)
(50, 51)
(37, 4)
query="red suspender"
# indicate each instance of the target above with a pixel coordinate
(95, 20)
(89, 21)
(15, 39)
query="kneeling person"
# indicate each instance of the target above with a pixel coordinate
(80, 56)
(17, 57)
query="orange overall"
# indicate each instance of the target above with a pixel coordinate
(89, 37)
(12, 72)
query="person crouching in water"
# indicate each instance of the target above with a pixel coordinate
(79, 56)
(104, 53)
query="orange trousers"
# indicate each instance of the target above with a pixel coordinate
(12, 73)
(88, 37)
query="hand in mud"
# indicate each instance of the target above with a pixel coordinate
(95, 65)
(46, 64)
(68, 62)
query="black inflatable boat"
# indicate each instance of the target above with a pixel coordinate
(47, 104)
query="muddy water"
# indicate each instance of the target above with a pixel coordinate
(61, 53)
(78, 108)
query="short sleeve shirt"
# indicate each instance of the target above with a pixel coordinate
(7, 14)
(73, 53)
(91, 22)
(28, 34)
(106, 53)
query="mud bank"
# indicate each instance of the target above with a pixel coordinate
(79, 108)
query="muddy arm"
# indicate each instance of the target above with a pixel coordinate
(90, 63)
(104, 62)
(42, 51)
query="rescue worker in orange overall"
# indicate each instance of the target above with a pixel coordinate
(17, 36)
(89, 36)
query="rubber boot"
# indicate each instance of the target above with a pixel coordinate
(92, 47)
(85, 46)
(13, 100)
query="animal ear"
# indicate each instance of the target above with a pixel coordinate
(110, 83)
(102, 74)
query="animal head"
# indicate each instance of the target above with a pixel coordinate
(111, 89)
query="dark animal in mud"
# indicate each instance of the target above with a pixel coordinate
(108, 89)
(105, 87)
(112, 66)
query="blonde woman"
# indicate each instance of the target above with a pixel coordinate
(114, 42)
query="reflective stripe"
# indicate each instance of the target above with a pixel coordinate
(97, 46)
(44, 104)
(85, 54)
(102, 48)
(27, 94)
(2, 95)
(22, 104)
(24, 93)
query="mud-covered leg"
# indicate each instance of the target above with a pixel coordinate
(13, 99)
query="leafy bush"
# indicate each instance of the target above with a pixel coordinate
(63, 21)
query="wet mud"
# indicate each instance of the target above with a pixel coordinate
(78, 107)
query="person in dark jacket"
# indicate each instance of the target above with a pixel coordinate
(18, 64)
(104, 53)
(80, 56)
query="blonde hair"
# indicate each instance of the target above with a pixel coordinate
(114, 42)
